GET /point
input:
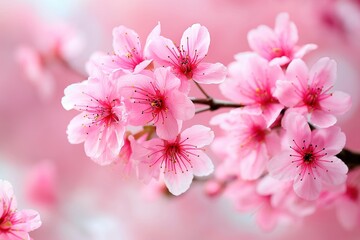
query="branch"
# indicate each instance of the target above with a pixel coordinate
(215, 104)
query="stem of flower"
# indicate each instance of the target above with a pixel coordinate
(202, 90)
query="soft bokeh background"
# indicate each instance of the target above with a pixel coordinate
(94, 203)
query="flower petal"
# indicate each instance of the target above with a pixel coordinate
(179, 182)
(337, 103)
(198, 135)
(195, 41)
(209, 73)
(322, 119)
(280, 166)
(202, 164)
(307, 186)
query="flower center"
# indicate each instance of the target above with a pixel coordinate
(311, 97)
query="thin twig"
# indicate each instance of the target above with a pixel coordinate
(202, 90)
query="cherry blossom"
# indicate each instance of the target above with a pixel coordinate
(310, 158)
(186, 59)
(15, 224)
(179, 158)
(128, 53)
(250, 141)
(251, 82)
(278, 45)
(103, 118)
(347, 205)
(310, 92)
(155, 98)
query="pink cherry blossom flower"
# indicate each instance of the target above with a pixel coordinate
(186, 58)
(250, 143)
(103, 118)
(251, 82)
(128, 53)
(347, 205)
(15, 224)
(155, 98)
(179, 158)
(309, 92)
(278, 45)
(41, 184)
(310, 158)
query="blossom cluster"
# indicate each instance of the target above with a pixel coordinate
(281, 147)
(139, 86)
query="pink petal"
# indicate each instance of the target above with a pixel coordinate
(287, 93)
(198, 135)
(297, 72)
(126, 41)
(145, 170)
(163, 51)
(280, 166)
(304, 50)
(322, 119)
(279, 61)
(74, 95)
(76, 131)
(202, 164)
(337, 103)
(348, 213)
(141, 66)
(253, 165)
(29, 220)
(323, 73)
(332, 139)
(152, 35)
(166, 80)
(94, 144)
(333, 171)
(297, 128)
(309, 187)
(271, 112)
(169, 128)
(183, 108)
(286, 30)
(179, 182)
(209, 73)
(262, 40)
(195, 41)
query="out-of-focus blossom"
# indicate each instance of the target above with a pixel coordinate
(251, 82)
(128, 53)
(186, 59)
(309, 92)
(309, 159)
(41, 184)
(179, 158)
(15, 224)
(348, 204)
(250, 142)
(156, 99)
(103, 118)
(278, 45)
(53, 44)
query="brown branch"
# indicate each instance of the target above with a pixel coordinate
(214, 104)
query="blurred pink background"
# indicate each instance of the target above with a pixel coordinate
(81, 200)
